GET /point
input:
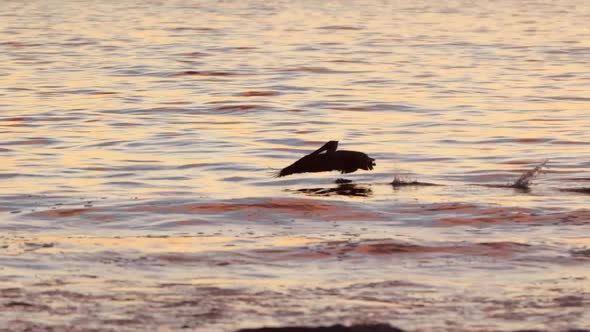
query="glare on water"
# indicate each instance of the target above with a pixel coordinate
(142, 139)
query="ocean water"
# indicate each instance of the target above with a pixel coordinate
(140, 142)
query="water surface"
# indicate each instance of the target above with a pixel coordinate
(139, 142)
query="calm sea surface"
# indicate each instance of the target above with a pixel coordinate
(139, 142)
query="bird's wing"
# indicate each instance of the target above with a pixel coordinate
(329, 147)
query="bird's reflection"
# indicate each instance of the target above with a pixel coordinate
(342, 189)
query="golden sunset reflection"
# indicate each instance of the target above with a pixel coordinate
(141, 146)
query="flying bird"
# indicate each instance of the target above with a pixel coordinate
(327, 159)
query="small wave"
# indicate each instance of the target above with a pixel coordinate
(339, 27)
(235, 179)
(570, 98)
(126, 168)
(242, 107)
(495, 249)
(126, 184)
(350, 61)
(267, 209)
(102, 93)
(577, 179)
(78, 43)
(105, 144)
(15, 119)
(196, 29)
(258, 93)
(15, 175)
(32, 141)
(524, 140)
(390, 247)
(203, 73)
(193, 54)
(520, 162)
(179, 102)
(196, 165)
(15, 44)
(316, 70)
(60, 213)
(184, 222)
(583, 190)
(564, 142)
(169, 178)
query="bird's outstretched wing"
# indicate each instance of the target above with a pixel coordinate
(331, 160)
(329, 147)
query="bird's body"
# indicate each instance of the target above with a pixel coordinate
(328, 159)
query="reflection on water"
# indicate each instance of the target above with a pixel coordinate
(168, 118)
(345, 189)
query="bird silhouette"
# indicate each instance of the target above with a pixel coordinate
(327, 159)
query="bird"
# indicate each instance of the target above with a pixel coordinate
(327, 159)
